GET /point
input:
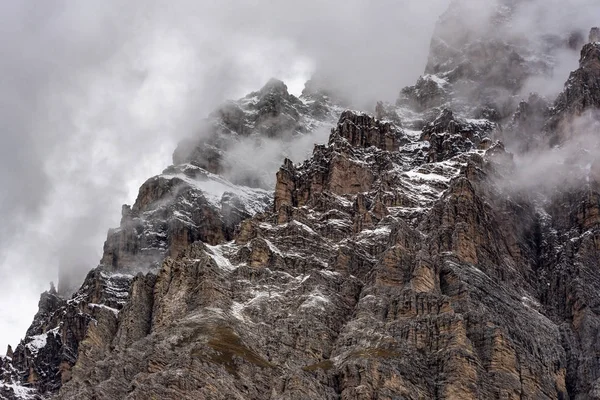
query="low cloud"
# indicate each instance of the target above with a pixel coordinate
(258, 159)
(570, 165)
(96, 95)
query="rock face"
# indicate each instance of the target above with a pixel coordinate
(43, 361)
(401, 260)
(199, 198)
(478, 64)
(581, 93)
(183, 205)
(270, 113)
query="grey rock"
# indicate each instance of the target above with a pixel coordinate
(396, 262)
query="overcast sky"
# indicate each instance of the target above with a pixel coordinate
(95, 94)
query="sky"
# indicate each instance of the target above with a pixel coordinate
(96, 94)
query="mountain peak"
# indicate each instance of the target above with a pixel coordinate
(274, 86)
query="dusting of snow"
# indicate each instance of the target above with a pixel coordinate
(183, 217)
(426, 177)
(104, 306)
(36, 343)
(315, 300)
(216, 253)
(434, 78)
(20, 392)
(213, 187)
(340, 223)
(260, 295)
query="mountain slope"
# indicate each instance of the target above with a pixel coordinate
(411, 256)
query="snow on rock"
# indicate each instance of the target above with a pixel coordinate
(315, 300)
(37, 342)
(434, 78)
(217, 253)
(213, 187)
(105, 307)
(17, 392)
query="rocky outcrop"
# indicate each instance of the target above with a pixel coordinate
(306, 272)
(449, 136)
(594, 35)
(390, 278)
(340, 167)
(60, 331)
(428, 92)
(173, 210)
(581, 94)
(362, 130)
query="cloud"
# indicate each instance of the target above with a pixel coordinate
(257, 159)
(545, 171)
(96, 94)
(543, 22)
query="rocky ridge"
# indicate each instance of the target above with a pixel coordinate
(185, 204)
(390, 264)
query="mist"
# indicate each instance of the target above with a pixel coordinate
(567, 166)
(96, 95)
(541, 19)
(546, 170)
(259, 158)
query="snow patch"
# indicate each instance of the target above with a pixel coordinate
(20, 392)
(213, 187)
(434, 78)
(303, 226)
(237, 311)
(426, 177)
(273, 248)
(329, 273)
(315, 300)
(104, 306)
(36, 343)
(216, 253)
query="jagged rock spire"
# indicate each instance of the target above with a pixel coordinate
(9, 351)
(595, 35)
(275, 86)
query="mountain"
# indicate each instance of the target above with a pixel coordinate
(412, 256)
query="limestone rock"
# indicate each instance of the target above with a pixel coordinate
(581, 94)
(395, 262)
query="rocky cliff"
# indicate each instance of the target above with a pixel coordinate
(406, 258)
